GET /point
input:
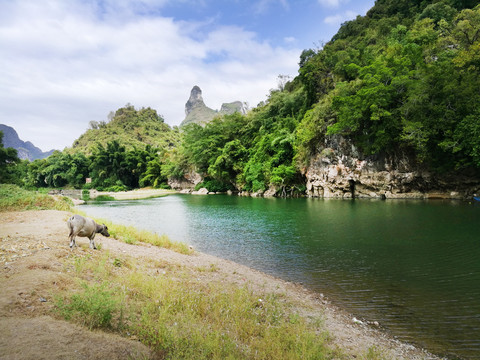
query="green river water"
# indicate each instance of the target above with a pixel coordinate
(413, 266)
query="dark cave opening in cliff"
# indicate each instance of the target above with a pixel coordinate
(352, 187)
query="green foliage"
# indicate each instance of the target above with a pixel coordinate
(111, 168)
(311, 130)
(180, 316)
(240, 152)
(125, 153)
(8, 163)
(229, 164)
(131, 235)
(130, 128)
(14, 198)
(153, 175)
(85, 194)
(466, 139)
(101, 198)
(403, 78)
(214, 185)
(438, 11)
(58, 170)
(414, 86)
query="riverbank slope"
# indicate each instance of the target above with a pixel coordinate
(33, 256)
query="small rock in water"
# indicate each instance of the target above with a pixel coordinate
(356, 321)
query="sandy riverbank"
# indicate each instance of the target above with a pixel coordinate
(32, 247)
(136, 194)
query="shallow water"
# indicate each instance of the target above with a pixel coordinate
(413, 266)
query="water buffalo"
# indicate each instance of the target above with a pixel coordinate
(85, 227)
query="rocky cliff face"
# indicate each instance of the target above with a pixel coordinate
(341, 171)
(197, 112)
(188, 182)
(233, 107)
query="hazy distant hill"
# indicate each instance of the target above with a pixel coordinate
(197, 112)
(26, 150)
(131, 128)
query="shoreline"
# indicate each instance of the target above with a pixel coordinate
(136, 194)
(147, 193)
(351, 335)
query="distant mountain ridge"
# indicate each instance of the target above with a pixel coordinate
(197, 112)
(26, 150)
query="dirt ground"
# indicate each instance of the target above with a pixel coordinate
(33, 245)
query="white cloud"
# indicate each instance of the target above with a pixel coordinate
(338, 19)
(64, 64)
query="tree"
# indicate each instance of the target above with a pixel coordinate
(35, 175)
(153, 175)
(78, 170)
(55, 172)
(228, 166)
(283, 176)
(8, 163)
(108, 165)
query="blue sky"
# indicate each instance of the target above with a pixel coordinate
(65, 63)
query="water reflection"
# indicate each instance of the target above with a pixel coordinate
(411, 265)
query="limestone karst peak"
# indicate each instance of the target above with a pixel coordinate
(197, 112)
(195, 100)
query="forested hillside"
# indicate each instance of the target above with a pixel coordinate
(124, 153)
(130, 127)
(402, 79)
(404, 76)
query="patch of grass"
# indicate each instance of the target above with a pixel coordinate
(132, 235)
(182, 317)
(94, 306)
(14, 198)
(117, 262)
(374, 353)
(85, 194)
(212, 268)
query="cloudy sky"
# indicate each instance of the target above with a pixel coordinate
(64, 63)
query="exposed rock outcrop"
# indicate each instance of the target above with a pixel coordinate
(195, 100)
(197, 112)
(233, 107)
(341, 171)
(188, 182)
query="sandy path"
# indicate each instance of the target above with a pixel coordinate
(32, 247)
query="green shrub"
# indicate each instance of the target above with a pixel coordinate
(85, 194)
(116, 188)
(104, 198)
(214, 185)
